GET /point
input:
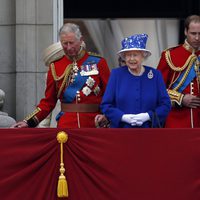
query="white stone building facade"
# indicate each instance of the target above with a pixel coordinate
(27, 27)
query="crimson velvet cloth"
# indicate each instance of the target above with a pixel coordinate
(101, 164)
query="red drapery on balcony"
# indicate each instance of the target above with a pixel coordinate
(101, 164)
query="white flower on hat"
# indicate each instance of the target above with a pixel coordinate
(135, 42)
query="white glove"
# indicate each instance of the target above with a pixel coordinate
(141, 118)
(129, 118)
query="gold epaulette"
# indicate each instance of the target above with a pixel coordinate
(94, 54)
(176, 97)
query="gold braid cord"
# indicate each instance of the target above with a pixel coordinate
(55, 77)
(191, 58)
(62, 188)
(185, 74)
(64, 76)
(176, 96)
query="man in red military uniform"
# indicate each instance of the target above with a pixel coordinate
(180, 67)
(78, 79)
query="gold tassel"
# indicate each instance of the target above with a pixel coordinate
(62, 189)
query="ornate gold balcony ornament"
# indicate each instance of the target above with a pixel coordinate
(62, 189)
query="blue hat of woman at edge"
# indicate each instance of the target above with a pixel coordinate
(135, 42)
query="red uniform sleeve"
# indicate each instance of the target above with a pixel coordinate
(47, 103)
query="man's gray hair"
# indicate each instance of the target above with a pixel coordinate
(71, 28)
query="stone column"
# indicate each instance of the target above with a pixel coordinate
(7, 53)
(34, 32)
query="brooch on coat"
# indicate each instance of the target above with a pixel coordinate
(150, 74)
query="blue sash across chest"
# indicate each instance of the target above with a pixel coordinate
(189, 77)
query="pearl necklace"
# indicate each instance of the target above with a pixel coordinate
(140, 74)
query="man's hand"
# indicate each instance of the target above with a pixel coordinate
(101, 121)
(21, 124)
(191, 101)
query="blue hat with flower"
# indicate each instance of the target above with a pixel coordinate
(135, 42)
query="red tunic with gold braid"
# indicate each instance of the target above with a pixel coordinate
(175, 65)
(61, 74)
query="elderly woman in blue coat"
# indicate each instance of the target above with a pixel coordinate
(134, 91)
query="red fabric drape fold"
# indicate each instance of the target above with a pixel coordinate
(101, 164)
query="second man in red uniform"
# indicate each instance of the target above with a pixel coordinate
(180, 67)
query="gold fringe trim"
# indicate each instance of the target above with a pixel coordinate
(62, 188)
(190, 60)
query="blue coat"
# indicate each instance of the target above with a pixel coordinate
(129, 94)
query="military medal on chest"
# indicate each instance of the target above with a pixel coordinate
(90, 82)
(88, 88)
(89, 68)
(74, 72)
